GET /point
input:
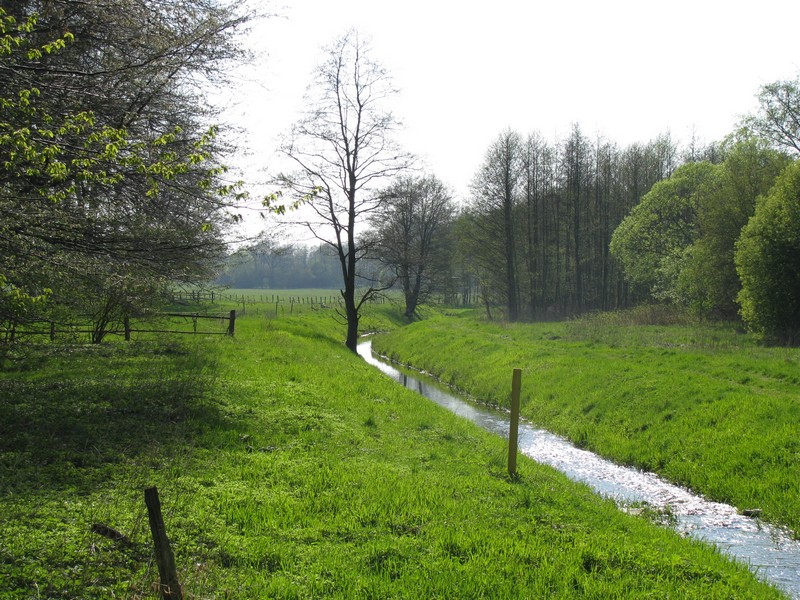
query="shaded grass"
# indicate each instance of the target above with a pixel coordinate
(288, 468)
(704, 406)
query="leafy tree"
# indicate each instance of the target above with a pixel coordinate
(778, 115)
(411, 234)
(344, 150)
(109, 165)
(653, 241)
(709, 283)
(768, 261)
(678, 243)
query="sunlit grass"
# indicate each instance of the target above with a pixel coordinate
(288, 468)
(703, 405)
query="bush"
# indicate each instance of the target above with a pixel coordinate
(768, 262)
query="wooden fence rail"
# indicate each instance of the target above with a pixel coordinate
(53, 328)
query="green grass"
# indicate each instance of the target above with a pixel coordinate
(277, 303)
(704, 406)
(288, 468)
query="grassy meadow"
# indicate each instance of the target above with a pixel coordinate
(288, 468)
(703, 405)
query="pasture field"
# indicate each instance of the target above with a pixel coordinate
(289, 468)
(702, 405)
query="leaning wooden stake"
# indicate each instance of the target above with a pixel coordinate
(513, 430)
(169, 585)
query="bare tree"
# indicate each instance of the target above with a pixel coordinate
(343, 149)
(411, 230)
(495, 192)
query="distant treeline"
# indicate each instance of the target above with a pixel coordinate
(264, 266)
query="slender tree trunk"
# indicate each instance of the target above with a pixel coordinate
(350, 306)
(511, 267)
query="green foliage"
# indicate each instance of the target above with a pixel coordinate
(768, 261)
(778, 115)
(99, 187)
(678, 243)
(652, 241)
(708, 282)
(15, 303)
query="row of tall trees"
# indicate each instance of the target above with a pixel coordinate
(541, 216)
(111, 182)
(560, 228)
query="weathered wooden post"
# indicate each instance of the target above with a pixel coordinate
(168, 575)
(232, 323)
(126, 323)
(513, 429)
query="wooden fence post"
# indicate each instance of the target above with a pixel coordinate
(232, 323)
(169, 586)
(126, 323)
(513, 429)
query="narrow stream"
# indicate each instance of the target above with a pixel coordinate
(769, 552)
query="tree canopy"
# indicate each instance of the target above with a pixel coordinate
(768, 261)
(678, 243)
(778, 116)
(411, 230)
(110, 167)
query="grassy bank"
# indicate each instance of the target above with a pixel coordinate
(288, 468)
(704, 406)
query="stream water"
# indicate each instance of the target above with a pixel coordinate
(769, 552)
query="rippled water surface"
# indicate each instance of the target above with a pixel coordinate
(769, 552)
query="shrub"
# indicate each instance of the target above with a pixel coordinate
(768, 262)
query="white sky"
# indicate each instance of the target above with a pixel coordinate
(625, 69)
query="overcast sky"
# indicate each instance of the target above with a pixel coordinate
(627, 70)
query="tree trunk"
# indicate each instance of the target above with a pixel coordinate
(412, 296)
(352, 326)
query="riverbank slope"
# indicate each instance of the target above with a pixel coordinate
(703, 406)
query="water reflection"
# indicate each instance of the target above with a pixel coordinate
(768, 551)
